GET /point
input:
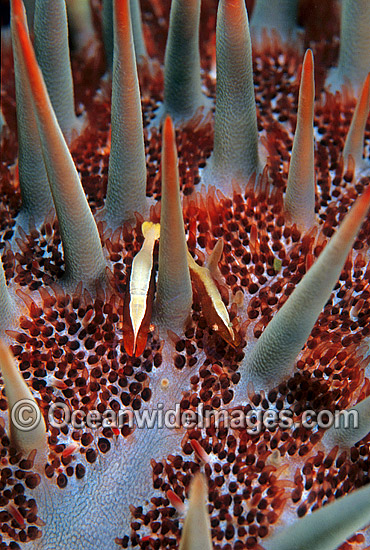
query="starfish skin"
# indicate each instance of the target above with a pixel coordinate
(114, 487)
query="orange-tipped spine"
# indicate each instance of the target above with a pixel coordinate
(300, 194)
(174, 295)
(83, 253)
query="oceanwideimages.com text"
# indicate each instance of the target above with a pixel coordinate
(26, 415)
(253, 421)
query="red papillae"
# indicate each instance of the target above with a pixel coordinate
(252, 477)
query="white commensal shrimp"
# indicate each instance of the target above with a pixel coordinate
(140, 291)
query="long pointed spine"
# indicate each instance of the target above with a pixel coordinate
(126, 193)
(36, 196)
(107, 21)
(27, 426)
(174, 294)
(83, 253)
(8, 312)
(354, 53)
(182, 83)
(196, 533)
(300, 194)
(80, 23)
(328, 527)
(354, 143)
(52, 52)
(235, 153)
(137, 30)
(280, 15)
(272, 359)
(30, 12)
(354, 425)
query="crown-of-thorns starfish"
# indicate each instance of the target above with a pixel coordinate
(184, 275)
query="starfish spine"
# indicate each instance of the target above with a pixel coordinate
(300, 194)
(354, 53)
(126, 193)
(27, 426)
(235, 154)
(328, 527)
(174, 295)
(36, 196)
(52, 53)
(354, 143)
(182, 83)
(196, 530)
(83, 253)
(272, 359)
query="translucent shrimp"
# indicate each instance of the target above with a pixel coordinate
(139, 295)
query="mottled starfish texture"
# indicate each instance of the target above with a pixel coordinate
(185, 275)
